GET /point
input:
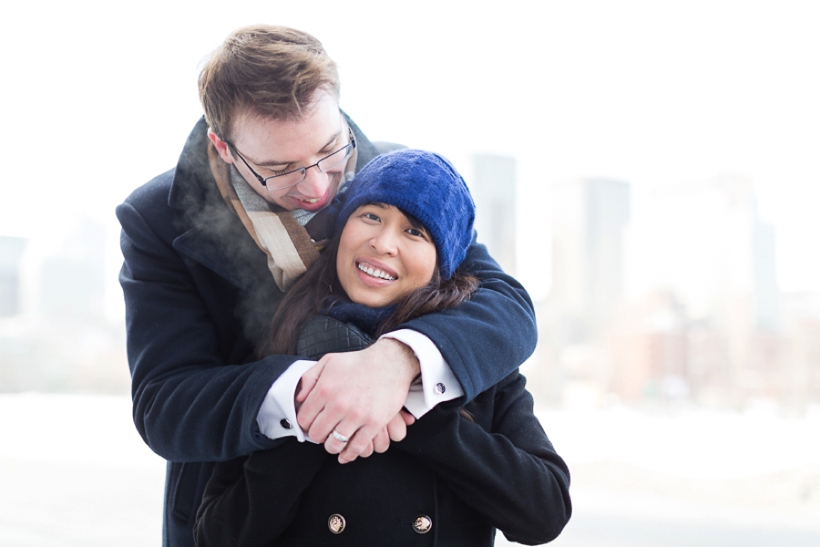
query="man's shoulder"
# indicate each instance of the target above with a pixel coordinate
(172, 189)
(153, 193)
(148, 206)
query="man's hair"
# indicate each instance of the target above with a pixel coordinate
(268, 71)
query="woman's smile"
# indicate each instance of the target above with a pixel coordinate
(383, 256)
(377, 271)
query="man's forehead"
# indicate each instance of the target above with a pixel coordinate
(270, 140)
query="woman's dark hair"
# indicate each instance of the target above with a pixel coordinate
(307, 297)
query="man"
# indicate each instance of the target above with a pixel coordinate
(211, 246)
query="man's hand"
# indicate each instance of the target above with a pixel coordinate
(359, 395)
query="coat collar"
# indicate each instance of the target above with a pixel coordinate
(193, 175)
(212, 234)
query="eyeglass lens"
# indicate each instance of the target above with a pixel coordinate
(286, 180)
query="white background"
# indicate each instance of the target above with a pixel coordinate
(98, 98)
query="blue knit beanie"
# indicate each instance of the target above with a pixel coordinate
(426, 186)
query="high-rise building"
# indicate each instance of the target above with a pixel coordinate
(705, 244)
(11, 254)
(73, 280)
(589, 219)
(493, 186)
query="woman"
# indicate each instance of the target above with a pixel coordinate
(461, 472)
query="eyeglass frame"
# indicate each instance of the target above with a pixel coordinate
(264, 181)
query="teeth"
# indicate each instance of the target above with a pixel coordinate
(375, 273)
(312, 200)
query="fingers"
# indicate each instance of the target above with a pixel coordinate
(308, 381)
(308, 409)
(361, 444)
(350, 447)
(408, 418)
(368, 451)
(381, 442)
(336, 441)
(396, 428)
(358, 396)
(322, 422)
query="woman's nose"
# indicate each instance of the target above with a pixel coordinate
(385, 242)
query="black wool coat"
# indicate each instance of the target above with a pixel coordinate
(198, 297)
(451, 482)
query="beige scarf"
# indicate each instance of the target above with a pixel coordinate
(286, 243)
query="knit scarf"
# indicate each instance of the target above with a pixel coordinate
(289, 248)
(366, 318)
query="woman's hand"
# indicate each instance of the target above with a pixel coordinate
(358, 395)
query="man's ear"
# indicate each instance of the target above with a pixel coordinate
(221, 147)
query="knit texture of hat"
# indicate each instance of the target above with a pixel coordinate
(426, 186)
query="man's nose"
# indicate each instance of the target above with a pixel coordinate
(315, 183)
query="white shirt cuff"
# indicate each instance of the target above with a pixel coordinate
(438, 383)
(277, 415)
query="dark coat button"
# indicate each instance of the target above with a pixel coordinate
(285, 423)
(422, 524)
(336, 523)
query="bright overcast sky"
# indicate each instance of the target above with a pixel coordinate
(99, 97)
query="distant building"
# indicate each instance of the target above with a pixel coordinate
(704, 244)
(650, 351)
(57, 338)
(765, 276)
(494, 190)
(573, 361)
(707, 243)
(73, 280)
(589, 219)
(11, 254)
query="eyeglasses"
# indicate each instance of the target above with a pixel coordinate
(292, 178)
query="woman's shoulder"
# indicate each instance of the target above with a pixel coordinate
(508, 391)
(324, 334)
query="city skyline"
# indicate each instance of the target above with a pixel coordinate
(656, 94)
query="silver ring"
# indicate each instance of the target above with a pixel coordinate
(339, 437)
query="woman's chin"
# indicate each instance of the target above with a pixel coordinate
(372, 300)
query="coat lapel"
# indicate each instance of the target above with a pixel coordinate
(211, 234)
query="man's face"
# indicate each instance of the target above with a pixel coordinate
(275, 146)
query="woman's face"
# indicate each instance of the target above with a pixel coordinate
(383, 256)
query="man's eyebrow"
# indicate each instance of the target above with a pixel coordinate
(270, 163)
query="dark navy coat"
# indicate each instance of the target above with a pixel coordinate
(450, 483)
(198, 296)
